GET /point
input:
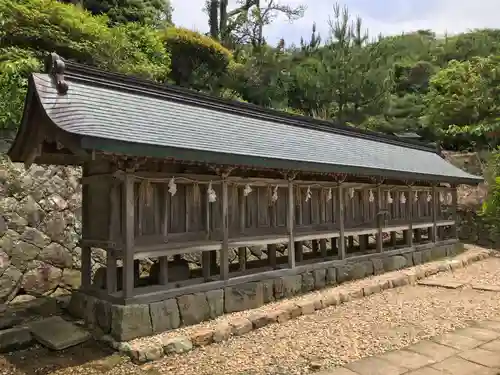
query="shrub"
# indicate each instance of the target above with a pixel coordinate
(193, 55)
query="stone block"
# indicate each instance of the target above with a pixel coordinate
(378, 266)
(57, 333)
(409, 259)
(343, 273)
(268, 290)
(399, 280)
(130, 321)
(193, 308)
(426, 255)
(319, 278)
(438, 252)
(360, 270)
(417, 258)
(15, 339)
(102, 315)
(307, 282)
(287, 286)
(243, 297)
(215, 300)
(176, 345)
(394, 263)
(164, 315)
(331, 276)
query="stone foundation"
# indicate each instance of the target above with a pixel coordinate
(125, 323)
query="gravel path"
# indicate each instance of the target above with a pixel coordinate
(390, 320)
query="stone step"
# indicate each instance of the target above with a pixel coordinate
(58, 334)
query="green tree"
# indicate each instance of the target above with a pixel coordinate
(463, 103)
(151, 12)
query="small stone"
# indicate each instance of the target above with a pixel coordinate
(222, 332)
(146, 354)
(258, 320)
(306, 307)
(371, 289)
(292, 309)
(177, 345)
(240, 326)
(202, 337)
(278, 316)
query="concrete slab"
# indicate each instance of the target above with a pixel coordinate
(448, 284)
(492, 325)
(433, 350)
(457, 341)
(425, 371)
(493, 346)
(458, 366)
(408, 359)
(480, 334)
(336, 371)
(375, 366)
(482, 357)
(58, 334)
(486, 288)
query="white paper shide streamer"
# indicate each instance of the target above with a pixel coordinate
(274, 197)
(172, 187)
(212, 197)
(308, 194)
(329, 195)
(402, 198)
(371, 198)
(351, 193)
(389, 197)
(247, 190)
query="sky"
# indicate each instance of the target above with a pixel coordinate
(387, 17)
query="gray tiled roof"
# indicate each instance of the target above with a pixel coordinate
(111, 113)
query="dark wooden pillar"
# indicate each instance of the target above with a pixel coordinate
(340, 220)
(128, 211)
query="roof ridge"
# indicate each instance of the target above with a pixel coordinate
(82, 72)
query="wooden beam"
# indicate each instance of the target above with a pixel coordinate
(340, 221)
(128, 207)
(242, 251)
(323, 248)
(114, 220)
(224, 255)
(290, 225)
(163, 260)
(380, 220)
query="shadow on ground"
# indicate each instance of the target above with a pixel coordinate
(89, 357)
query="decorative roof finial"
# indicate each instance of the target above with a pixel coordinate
(55, 66)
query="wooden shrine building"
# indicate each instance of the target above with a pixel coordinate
(187, 192)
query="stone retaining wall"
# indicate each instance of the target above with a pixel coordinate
(125, 323)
